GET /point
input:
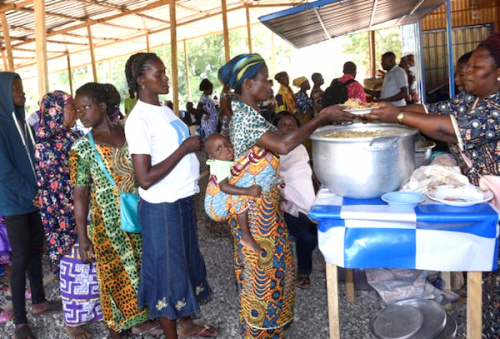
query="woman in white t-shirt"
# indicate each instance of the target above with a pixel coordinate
(173, 274)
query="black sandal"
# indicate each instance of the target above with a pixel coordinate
(23, 332)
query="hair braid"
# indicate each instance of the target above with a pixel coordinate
(136, 66)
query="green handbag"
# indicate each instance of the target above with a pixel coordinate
(129, 217)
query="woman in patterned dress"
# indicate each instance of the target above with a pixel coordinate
(266, 279)
(285, 100)
(116, 252)
(206, 105)
(470, 123)
(78, 281)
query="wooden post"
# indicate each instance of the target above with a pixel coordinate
(5, 66)
(249, 31)
(92, 56)
(349, 285)
(332, 289)
(7, 43)
(147, 42)
(474, 305)
(41, 48)
(225, 30)
(70, 76)
(273, 52)
(371, 48)
(186, 66)
(173, 45)
(446, 277)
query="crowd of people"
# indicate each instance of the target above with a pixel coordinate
(63, 187)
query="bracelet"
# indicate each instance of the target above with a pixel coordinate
(400, 117)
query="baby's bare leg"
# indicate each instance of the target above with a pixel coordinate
(246, 237)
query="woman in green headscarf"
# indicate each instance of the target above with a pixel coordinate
(265, 280)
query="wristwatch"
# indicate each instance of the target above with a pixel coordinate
(400, 117)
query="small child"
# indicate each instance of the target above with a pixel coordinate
(220, 159)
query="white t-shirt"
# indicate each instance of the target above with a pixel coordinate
(393, 81)
(157, 131)
(299, 190)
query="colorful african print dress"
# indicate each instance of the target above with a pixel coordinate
(477, 126)
(285, 100)
(118, 253)
(265, 280)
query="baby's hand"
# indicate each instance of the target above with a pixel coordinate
(255, 191)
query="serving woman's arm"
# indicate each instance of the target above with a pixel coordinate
(147, 175)
(284, 144)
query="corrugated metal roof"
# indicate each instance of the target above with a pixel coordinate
(324, 19)
(118, 27)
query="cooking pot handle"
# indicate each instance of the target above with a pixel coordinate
(381, 143)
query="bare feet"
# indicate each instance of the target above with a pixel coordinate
(149, 327)
(77, 332)
(188, 329)
(40, 308)
(114, 335)
(249, 242)
(23, 331)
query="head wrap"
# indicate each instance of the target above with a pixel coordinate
(297, 82)
(239, 68)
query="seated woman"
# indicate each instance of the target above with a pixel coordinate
(470, 123)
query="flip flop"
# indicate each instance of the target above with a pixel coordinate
(206, 332)
(154, 331)
(5, 316)
(54, 306)
(23, 332)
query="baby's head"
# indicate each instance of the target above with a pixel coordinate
(219, 147)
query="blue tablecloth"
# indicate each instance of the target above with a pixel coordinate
(368, 233)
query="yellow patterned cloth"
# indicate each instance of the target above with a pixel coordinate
(118, 253)
(285, 100)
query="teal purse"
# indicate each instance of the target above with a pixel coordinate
(129, 216)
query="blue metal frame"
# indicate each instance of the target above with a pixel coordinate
(449, 30)
(422, 66)
(296, 9)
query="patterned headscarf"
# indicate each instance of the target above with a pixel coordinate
(53, 143)
(239, 68)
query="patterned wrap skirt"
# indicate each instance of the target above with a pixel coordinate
(265, 280)
(79, 290)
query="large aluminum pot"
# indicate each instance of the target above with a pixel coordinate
(365, 167)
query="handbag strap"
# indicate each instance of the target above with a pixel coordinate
(100, 162)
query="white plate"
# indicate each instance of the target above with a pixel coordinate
(459, 195)
(358, 111)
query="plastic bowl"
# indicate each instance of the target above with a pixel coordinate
(403, 199)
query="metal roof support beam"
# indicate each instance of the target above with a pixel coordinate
(225, 30)
(374, 9)
(173, 46)
(41, 48)
(249, 30)
(451, 76)
(7, 43)
(186, 66)
(316, 11)
(70, 76)
(92, 56)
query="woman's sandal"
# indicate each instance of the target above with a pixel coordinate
(152, 329)
(303, 282)
(23, 332)
(206, 332)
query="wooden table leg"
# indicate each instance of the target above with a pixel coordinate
(474, 305)
(333, 300)
(446, 277)
(349, 285)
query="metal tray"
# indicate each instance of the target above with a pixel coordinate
(450, 329)
(434, 317)
(396, 322)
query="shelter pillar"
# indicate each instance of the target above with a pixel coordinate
(70, 76)
(373, 61)
(173, 46)
(92, 56)
(186, 66)
(147, 42)
(7, 43)
(225, 30)
(5, 66)
(449, 40)
(41, 47)
(249, 30)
